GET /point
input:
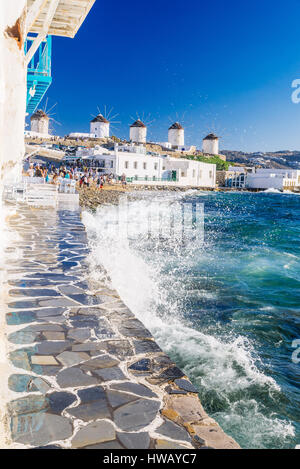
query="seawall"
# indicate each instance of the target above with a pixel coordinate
(83, 371)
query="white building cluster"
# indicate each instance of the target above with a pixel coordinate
(280, 179)
(142, 167)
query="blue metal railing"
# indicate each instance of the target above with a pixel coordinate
(38, 72)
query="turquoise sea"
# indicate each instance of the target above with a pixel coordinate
(226, 310)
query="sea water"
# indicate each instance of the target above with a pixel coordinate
(221, 296)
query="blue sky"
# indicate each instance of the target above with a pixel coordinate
(225, 66)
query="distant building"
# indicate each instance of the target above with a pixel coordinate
(40, 123)
(99, 126)
(80, 135)
(280, 179)
(211, 144)
(142, 167)
(138, 132)
(176, 135)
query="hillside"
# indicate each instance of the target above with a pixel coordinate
(280, 159)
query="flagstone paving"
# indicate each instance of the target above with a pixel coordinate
(86, 372)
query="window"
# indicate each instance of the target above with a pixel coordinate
(200, 173)
(164, 168)
(135, 165)
(210, 174)
(111, 164)
(126, 164)
(145, 165)
(194, 173)
(183, 174)
(155, 166)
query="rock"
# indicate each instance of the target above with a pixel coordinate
(51, 348)
(116, 398)
(59, 401)
(134, 440)
(134, 328)
(136, 415)
(80, 334)
(72, 358)
(145, 346)
(171, 430)
(22, 337)
(91, 394)
(104, 361)
(141, 365)
(27, 405)
(165, 444)
(74, 377)
(89, 346)
(119, 348)
(20, 383)
(19, 358)
(110, 374)
(44, 360)
(22, 317)
(95, 410)
(30, 292)
(214, 437)
(41, 385)
(49, 335)
(96, 432)
(134, 388)
(40, 429)
(188, 408)
(43, 313)
(108, 445)
(185, 385)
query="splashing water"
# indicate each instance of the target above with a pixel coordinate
(225, 310)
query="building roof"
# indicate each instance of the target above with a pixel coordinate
(101, 119)
(39, 114)
(138, 123)
(176, 126)
(66, 16)
(211, 137)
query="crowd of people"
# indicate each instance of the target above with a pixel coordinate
(84, 176)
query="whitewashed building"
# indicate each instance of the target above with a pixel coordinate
(138, 132)
(211, 145)
(280, 179)
(40, 123)
(81, 135)
(99, 126)
(142, 167)
(176, 135)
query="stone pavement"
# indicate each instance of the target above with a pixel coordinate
(84, 372)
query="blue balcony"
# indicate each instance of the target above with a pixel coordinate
(38, 73)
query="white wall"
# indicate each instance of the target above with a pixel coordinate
(12, 120)
(134, 164)
(176, 137)
(40, 126)
(188, 172)
(100, 129)
(138, 134)
(271, 178)
(211, 147)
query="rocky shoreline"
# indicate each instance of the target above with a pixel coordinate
(85, 373)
